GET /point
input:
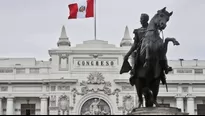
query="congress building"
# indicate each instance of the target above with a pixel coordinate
(85, 80)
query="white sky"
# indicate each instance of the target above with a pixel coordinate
(29, 28)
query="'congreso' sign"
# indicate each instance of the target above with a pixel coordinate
(95, 63)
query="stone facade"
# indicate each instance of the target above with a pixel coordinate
(85, 79)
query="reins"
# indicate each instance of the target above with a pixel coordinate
(162, 35)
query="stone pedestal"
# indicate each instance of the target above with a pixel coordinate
(157, 111)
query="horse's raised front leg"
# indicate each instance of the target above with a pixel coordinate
(164, 52)
(173, 40)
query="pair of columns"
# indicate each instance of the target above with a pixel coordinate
(10, 106)
(190, 104)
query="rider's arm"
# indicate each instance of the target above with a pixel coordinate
(134, 46)
(132, 49)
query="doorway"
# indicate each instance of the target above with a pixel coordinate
(201, 109)
(28, 109)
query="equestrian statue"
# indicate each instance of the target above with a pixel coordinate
(149, 51)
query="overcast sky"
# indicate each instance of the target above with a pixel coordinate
(29, 28)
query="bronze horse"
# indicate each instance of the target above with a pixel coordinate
(149, 70)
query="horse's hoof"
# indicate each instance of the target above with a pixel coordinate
(145, 65)
(140, 105)
(176, 43)
(156, 104)
(169, 69)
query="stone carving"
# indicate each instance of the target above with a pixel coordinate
(74, 95)
(179, 95)
(127, 88)
(128, 103)
(96, 78)
(4, 88)
(90, 85)
(85, 91)
(63, 104)
(95, 106)
(64, 56)
(53, 101)
(95, 55)
(64, 88)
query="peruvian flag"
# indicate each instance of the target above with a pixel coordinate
(81, 9)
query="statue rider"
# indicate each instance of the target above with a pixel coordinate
(135, 49)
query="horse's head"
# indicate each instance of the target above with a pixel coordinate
(162, 17)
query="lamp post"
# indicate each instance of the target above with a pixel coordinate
(181, 60)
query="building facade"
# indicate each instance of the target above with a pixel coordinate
(85, 79)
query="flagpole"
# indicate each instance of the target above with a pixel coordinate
(95, 35)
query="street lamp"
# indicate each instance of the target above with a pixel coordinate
(181, 60)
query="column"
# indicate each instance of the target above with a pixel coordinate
(10, 106)
(190, 106)
(44, 105)
(180, 103)
(1, 109)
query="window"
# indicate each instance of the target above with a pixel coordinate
(198, 71)
(53, 88)
(34, 70)
(20, 70)
(4, 88)
(184, 71)
(6, 70)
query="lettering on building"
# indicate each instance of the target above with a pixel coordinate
(95, 63)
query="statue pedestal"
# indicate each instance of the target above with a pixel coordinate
(157, 111)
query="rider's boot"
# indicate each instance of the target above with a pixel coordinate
(132, 79)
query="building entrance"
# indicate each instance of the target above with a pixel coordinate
(201, 109)
(28, 109)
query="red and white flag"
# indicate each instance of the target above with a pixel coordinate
(81, 9)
